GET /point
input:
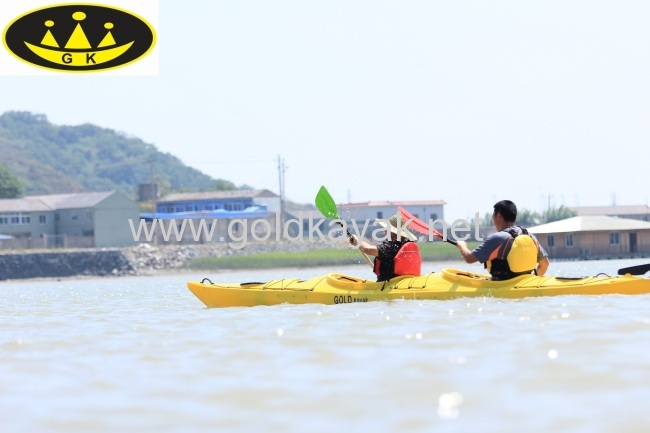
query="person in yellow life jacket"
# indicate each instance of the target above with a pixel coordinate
(395, 257)
(509, 252)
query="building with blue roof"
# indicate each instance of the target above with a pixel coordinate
(223, 216)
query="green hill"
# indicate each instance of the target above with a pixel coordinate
(50, 159)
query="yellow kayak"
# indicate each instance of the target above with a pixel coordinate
(446, 284)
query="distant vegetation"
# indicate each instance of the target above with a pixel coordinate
(528, 218)
(556, 214)
(430, 251)
(42, 158)
(10, 185)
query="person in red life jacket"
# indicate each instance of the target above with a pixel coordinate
(395, 257)
(509, 252)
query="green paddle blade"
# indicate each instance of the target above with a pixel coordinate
(326, 205)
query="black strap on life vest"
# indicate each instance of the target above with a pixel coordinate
(499, 267)
(512, 232)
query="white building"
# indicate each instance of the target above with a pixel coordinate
(637, 212)
(93, 219)
(424, 210)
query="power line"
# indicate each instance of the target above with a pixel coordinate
(230, 162)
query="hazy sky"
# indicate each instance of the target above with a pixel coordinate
(466, 101)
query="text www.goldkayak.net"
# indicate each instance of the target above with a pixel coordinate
(241, 231)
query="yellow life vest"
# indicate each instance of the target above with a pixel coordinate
(523, 252)
(516, 256)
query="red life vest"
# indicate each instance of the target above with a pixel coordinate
(407, 261)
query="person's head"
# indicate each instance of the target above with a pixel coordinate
(392, 226)
(506, 211)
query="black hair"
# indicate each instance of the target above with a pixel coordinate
(507, 209)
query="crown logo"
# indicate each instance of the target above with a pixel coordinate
(84, 54)
(79, 38)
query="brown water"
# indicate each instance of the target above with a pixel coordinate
(143, 354)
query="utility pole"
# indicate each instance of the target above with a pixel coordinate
(281, 170)
(152, 190)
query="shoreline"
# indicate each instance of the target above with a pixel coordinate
(148, 260)
(142, 259)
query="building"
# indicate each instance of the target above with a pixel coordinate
(307, 221)
(94, 219)
(372, 210)
(236, 200)
(638, 212)
(213, 216)
(594, 237)
(427, 211)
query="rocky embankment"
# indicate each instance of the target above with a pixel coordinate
(143, 259)
(63, 264)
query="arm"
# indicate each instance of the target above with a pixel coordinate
(466, 253)
(542, 266)
(542, 259)
(364, 246)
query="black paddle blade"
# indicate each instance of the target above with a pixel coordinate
(635, 270)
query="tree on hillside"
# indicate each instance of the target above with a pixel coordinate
(223, 185)
(10, 186)
(49, 159)
(555, 214)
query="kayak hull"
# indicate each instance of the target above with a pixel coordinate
(448, 284)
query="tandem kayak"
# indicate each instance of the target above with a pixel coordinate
(446, 284)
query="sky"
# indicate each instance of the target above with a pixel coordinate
(470, 102)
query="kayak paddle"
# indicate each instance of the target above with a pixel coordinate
(635, 270)
(326, 205)
(419, 225)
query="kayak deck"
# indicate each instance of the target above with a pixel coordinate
(448, 284)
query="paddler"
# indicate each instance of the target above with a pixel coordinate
(395, 257)
(509, 252)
